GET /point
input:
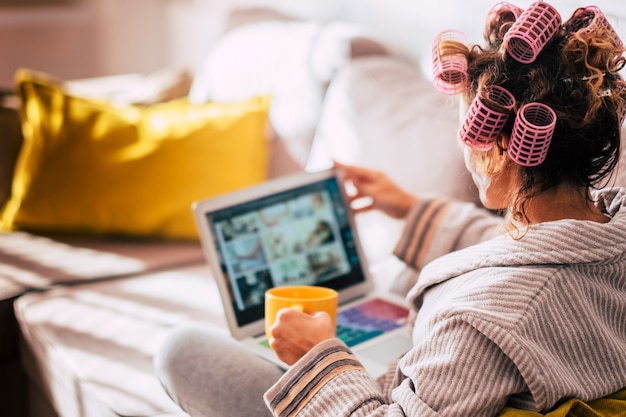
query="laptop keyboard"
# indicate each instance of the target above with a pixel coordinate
(369, 319)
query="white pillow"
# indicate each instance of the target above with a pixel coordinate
(290, 59)
(380, 112)
(267, 58)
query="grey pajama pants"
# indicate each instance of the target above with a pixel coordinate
(209, 374)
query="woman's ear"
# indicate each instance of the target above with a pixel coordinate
(498, 159)
(502, 143)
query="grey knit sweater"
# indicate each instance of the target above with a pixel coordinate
(496, 321)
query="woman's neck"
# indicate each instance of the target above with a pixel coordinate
(563, 202)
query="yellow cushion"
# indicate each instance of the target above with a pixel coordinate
(611, 406)
(89, 166)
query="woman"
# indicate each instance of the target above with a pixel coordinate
(527, 312)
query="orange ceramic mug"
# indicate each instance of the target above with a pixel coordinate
(308, 299)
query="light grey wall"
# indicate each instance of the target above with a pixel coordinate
(105, 37)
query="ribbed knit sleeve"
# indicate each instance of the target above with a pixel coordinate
(323, 383)
(437, 227)
(464, 375)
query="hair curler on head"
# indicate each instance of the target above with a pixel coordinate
(483, 124)
(590, 19)
(449, 55)
(500, 18)
(532, 31)
(532, 133)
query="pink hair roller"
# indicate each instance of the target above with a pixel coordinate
(449, 67)
(532, 31)
(482, 125)
(502, 16)
(590, 19)
(532, 134)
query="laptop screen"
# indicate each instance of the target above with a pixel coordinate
(301, 236)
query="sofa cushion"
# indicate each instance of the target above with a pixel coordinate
(90, 167)
(90, 346)
(381, 113)
(267, 52)
(30, 262)
(33, 263)
(612, 405)
(160, 86)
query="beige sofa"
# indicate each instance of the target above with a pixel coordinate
(81, 314)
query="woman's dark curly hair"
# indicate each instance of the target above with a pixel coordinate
(576, 74)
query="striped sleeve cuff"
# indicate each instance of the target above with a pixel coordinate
(309, 375)
(422, 222)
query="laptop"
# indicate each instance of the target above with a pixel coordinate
(298, 230)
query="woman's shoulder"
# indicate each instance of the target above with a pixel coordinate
(524, 297)
(497, 294)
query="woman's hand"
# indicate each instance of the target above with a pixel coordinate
(295, 333)
(383, 193)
